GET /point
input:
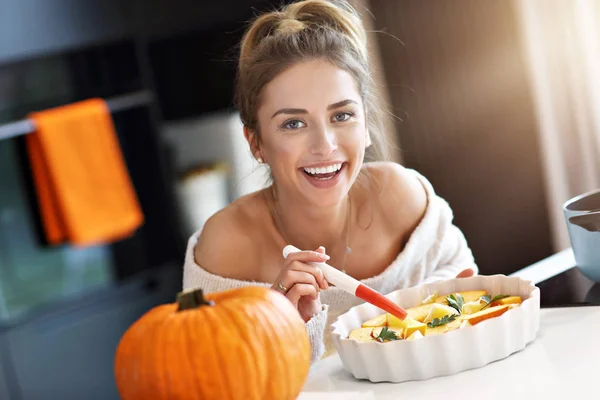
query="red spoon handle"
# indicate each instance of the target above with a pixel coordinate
(369, 295)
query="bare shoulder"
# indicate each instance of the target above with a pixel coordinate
(402, 196)
(226, 242)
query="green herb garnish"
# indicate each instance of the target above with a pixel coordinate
(441, 321)
(456, 302)
(386, 334)
(489, 300)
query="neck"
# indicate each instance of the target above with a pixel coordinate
(308, 227)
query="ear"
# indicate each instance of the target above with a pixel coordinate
(252, 139)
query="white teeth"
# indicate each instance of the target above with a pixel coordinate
(324, 170)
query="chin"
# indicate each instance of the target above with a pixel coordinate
(328, 197)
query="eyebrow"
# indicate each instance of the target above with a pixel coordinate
(296, 111)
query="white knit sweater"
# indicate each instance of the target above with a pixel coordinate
(436, 250)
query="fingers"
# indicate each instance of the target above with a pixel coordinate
(307, 256)
(299, 261)
(298, 274)
(300, 290)
(465, 273)
(295, 277)
(316, 272)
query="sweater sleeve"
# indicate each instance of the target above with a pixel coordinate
(196, 276)
(316, 330)
(454, 254)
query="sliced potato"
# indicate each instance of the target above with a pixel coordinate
(380, 320)
(377, 331)
(439, 311)
(450, 326)
(468, 296)
(419, 313)
(361, 334)
(438, 330)
(431, 298)
(472, 307)
(415, 335)
(456, 324)
(416, 327)
(464, 324)
(408, 325)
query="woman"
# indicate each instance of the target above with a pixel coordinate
(306, 101)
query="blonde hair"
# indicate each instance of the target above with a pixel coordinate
(305, 30)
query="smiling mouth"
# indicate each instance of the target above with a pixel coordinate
(324, 173)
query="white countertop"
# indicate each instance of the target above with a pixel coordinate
(562, 361)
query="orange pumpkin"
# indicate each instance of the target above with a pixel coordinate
(247, 343)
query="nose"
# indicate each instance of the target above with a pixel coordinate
(323, 142)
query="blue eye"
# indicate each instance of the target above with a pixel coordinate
(342, 117)
(294, 124)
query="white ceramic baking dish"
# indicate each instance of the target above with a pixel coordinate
(455, 351)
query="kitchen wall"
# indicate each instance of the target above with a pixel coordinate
(459, 84)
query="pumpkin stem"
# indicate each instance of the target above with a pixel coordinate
(192, 298)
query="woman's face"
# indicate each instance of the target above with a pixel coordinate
(313, 132)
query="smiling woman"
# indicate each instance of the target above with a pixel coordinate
(309, 112)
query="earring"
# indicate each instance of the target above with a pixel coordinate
(260, 160)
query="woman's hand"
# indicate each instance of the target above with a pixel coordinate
(301, 282)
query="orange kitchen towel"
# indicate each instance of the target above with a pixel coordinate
(83, 188)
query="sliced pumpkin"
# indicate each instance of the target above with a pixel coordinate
(507, 300)
(487, 313)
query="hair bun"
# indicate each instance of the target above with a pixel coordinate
(337, 15)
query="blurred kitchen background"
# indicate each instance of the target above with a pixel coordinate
(496, 102)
